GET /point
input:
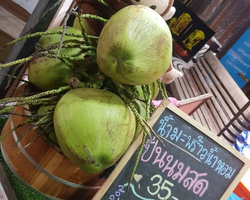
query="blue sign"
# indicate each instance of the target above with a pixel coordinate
(237, 60)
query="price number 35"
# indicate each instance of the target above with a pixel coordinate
(158, 186)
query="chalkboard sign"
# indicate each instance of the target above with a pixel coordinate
(195, 165)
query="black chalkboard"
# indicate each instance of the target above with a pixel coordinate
(193, 166)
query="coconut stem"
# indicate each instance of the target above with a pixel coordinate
(24, 133)
(41, 34)
(28, 102)
(162, 88)
(85, 37)
(142, 121)
(152, 109)
(71, 45)
(20, 115)
(63, 34)
(16, 62)
(41, 49)
(37, 101)
(44, 54)
(134, 94)
(43, 120)
(27, 145)
(30, 115)
(96, 17)
(47, 93)
(133, 109)
(27, 121)
(15, 77)
(12, 75)
(36, 96)
(147, 95)
(39, 135)
(149, 101)
(138, 158)
(75, 83)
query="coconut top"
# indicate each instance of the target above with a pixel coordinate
(135, 46)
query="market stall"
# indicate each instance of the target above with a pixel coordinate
(85, 113)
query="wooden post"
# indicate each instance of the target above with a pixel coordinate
(246, 89)
(240, 112)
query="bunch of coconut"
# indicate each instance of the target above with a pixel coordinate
(103, 92)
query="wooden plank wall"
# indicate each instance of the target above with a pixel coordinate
(224, 17)
(4, 38)
(12, 21)
(15, 9)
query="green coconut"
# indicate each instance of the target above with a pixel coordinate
(93, 127)
(54, 39)
(135, 46)
(47, 73)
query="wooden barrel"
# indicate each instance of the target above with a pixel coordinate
(43, 167)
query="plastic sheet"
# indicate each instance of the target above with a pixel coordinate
(242, 143)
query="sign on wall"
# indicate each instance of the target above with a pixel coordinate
(194, 165)
(237, 60)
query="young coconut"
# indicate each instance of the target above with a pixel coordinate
(47, 73)
(93, 127)
(135, 46)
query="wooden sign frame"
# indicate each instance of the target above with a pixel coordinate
(132, 149)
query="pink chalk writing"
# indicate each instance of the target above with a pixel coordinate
(175, 169)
